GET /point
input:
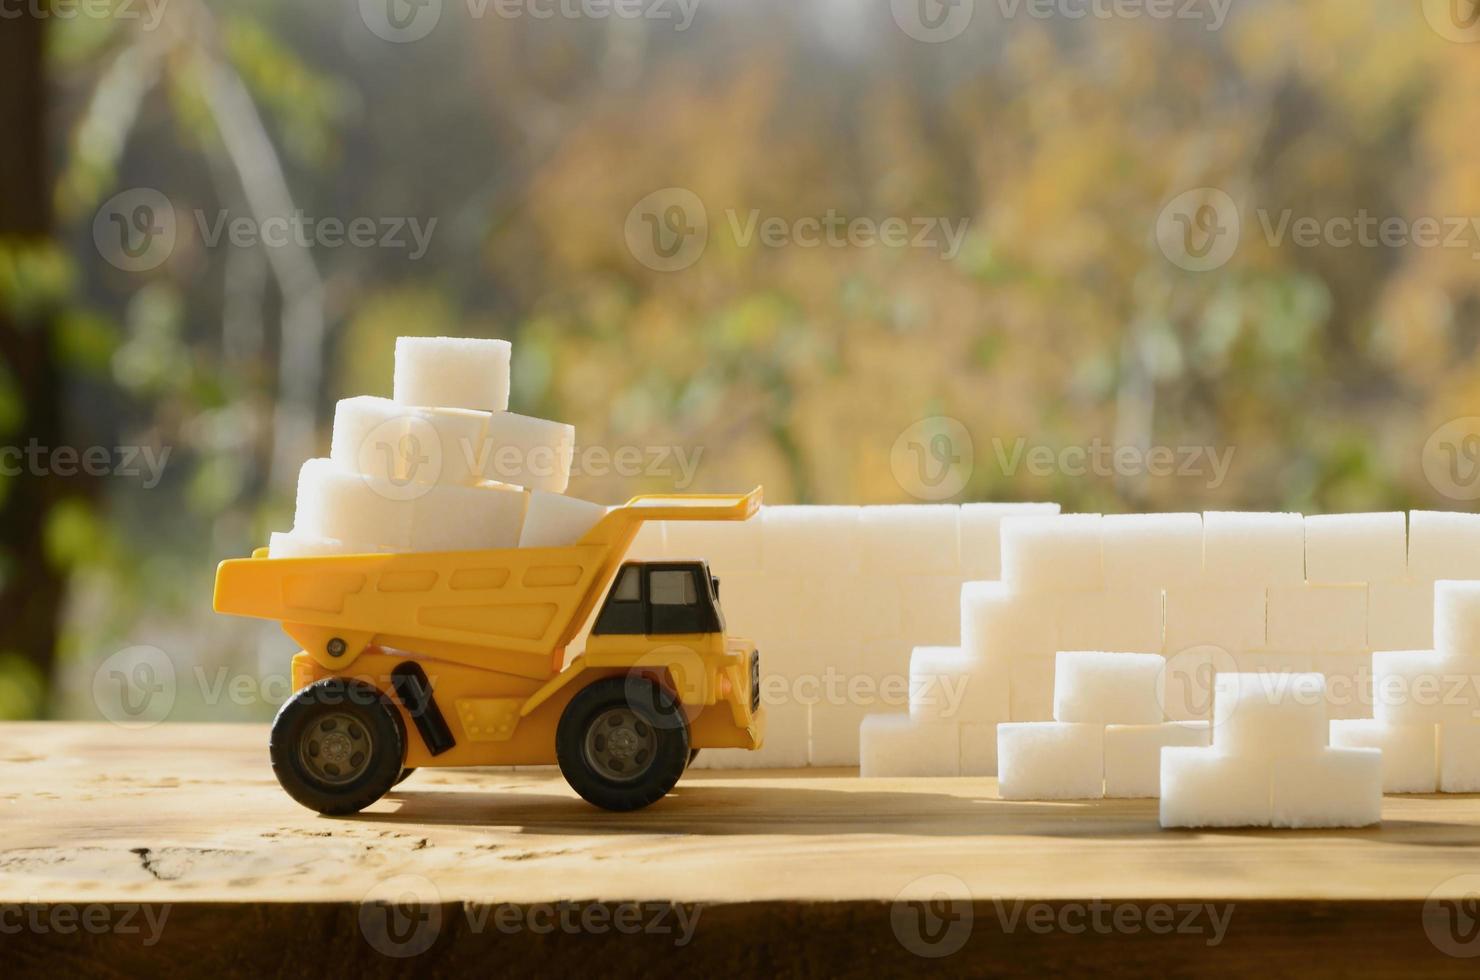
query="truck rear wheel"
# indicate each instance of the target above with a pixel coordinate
(337, 746)
(622, 743)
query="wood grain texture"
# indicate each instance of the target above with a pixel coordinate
(787, 865)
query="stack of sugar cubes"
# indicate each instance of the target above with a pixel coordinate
(443, 465)
(1427, 703)
(1107, 734)
(1270, 764)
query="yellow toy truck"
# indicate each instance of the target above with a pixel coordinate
(458, 659)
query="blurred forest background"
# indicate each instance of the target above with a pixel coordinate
(1055, 141)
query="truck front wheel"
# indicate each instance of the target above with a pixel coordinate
(337, 746)
(622, 743)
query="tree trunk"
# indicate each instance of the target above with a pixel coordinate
(30, 587)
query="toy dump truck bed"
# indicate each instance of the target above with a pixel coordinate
(521, 605)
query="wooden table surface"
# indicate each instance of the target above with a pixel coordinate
(793, 871)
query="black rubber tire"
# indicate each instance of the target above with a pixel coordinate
(654, 706)
(317, 702)
(405, 773)
(693, 754)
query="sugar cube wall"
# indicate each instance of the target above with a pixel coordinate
(1410, 761)
(1443, 545)
(911, 539)
(1108, 688)
(1334, 787)
(1200, 788)
(1269, 714)
(1133, 755)
(1052, 553)
(1355, 548)
(981, 535)
(1457, 622)
(1157, 550)
(898, 745)
(1050, 761)
(1253, 550)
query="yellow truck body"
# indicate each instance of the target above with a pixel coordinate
(489, 630)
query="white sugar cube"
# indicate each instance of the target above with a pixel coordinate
(1356, 548)
(979, 749)
(1419, 687)
(873, 609)
(453, 372)
(1052, 553)
(1229, 619)
(981, 535)
(1331, 787)
(295, 544)
(998, 624)
(948, 685)
(1459, 758)
(555, 520)
(930, 609)
(527, 452)
(1443, 545)
(1269, 714)
(1123, 619)
(1108, 688)
(333, 503)
(835, 731)
(1133, 755)
(1317, 617)
(442, 445)
(815, 539)
(911, 539)
(1400, 615)
(370, 436)
(1050, 761)
(728, 546)
(1030, 688)
(1409, 752)
(1253, 550)
(1202, 788)
(898, 745)
(1274, 662)
(1348, 683)
(447, 518)
(1157, 550)
(1457, 622)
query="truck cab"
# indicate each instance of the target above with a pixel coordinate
(661, 598)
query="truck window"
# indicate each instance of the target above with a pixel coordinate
(629, 586)
(673, 588)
